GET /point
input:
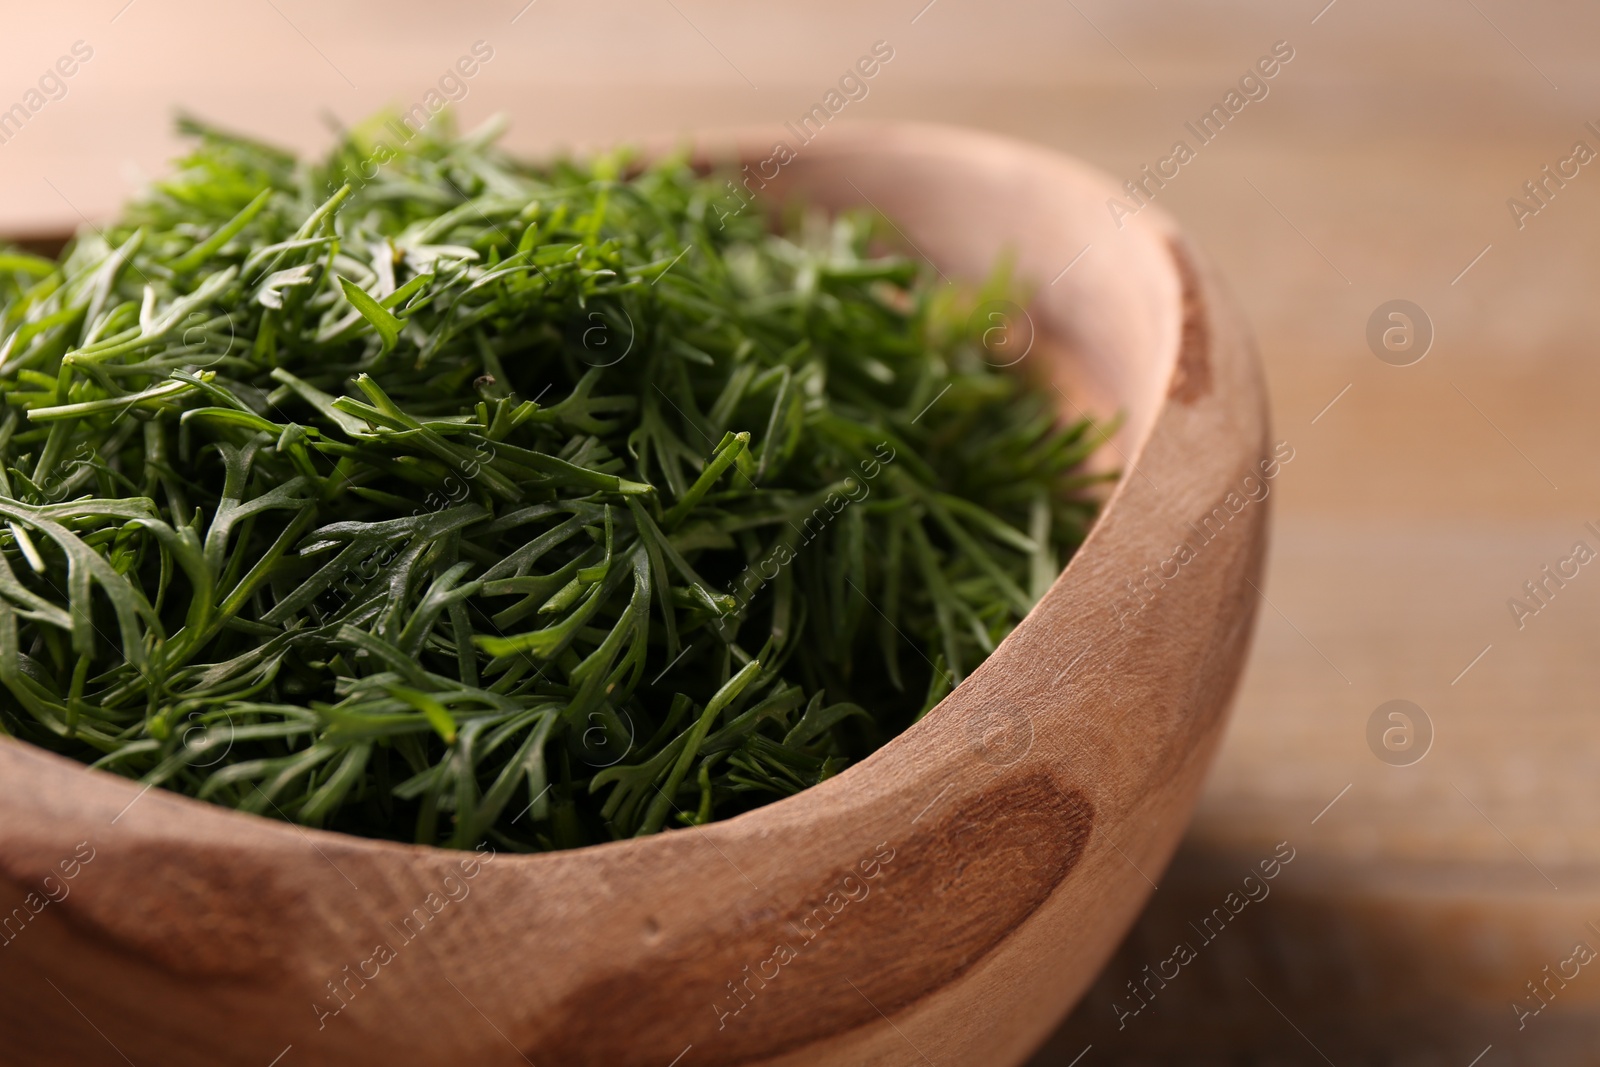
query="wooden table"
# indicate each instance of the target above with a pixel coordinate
(1421, 898)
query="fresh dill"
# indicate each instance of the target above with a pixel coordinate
(481, 501)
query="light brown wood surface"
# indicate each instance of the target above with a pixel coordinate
(1378, 167)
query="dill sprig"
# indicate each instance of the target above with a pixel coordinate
(458, 500)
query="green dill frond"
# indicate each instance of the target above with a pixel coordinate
(428, 495)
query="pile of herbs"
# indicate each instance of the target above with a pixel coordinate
(435, 496)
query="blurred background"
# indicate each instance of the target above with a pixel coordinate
(1445, 862)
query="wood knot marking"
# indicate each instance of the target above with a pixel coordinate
(826, 954)
(1191, 378)
(179, 908)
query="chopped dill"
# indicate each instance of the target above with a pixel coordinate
(479, 501)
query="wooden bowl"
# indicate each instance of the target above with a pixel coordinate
(945, 901)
